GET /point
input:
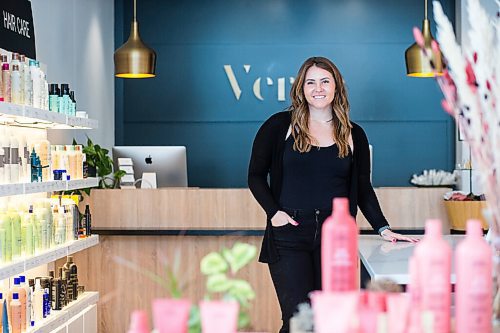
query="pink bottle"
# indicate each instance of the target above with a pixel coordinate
(474, 298)
(139, 322)
(433, 255)
(339, 249)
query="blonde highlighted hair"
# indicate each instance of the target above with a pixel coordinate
(300, 110)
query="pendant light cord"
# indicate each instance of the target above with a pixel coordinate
(425, 16)
(135, 10)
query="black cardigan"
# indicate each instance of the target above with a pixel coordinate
(267, 159)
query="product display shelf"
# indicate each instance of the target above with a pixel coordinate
(57, 319)
(27, 116)
(47, 256)
(49, 186)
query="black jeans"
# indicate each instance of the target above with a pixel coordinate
(298, 271)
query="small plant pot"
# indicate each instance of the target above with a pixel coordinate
(171, 315)
(219, 316)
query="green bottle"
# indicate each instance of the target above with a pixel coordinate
(7, 226)
(2, 245)
(16, 233)
(30, 240)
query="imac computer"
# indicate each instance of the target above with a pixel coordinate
(168, 162)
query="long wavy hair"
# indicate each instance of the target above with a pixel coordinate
(300, 109)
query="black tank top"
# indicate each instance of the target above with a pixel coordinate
(311, 180)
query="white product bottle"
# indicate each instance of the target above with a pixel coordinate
(5, 143)
(35, 78)
(2, 167)
(28, 84)
(38, 302)
(25, 173)
(15, 85)
(15, 167)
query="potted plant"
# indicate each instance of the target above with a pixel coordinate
(100, 165)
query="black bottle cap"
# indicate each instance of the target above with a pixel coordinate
(64, 89)
(54, 89)
(72, 96)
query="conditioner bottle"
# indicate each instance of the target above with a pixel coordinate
(339, 249)
(474, 297)
(434, 266)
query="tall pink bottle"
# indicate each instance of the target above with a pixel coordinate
(474, 297)
(434, 265)
(339, 249)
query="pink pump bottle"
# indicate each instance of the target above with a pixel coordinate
(474, 290)
(434, 265)
(339, 249)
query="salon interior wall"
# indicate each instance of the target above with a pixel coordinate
(75, 39)
(191, 101)
(462, 148)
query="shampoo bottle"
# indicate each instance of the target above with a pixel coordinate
(15, 85)
(474, 297)
(29, 304)
(38, 302)
(434, 265)
(6, 81)
(339, 249)
(15, 314)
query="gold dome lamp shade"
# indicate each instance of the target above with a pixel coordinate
(417, 63)
(134, 59)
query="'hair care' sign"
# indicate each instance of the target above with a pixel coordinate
(17, 33)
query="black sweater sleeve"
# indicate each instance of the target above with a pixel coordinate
(367, 199)
(260, 164)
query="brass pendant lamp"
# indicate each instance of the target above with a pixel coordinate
(134, 59)
(417, 65)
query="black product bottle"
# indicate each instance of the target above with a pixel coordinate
(66, 276)
(73, 275)
(56, 294)
(88, 221)
(54, 94)
(46, 283)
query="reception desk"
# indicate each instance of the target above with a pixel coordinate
(144, 232)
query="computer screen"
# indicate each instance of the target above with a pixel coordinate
(168, 162)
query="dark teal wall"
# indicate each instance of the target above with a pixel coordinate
(191, 103)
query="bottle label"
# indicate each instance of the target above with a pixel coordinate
(14, 155)
(6, 158)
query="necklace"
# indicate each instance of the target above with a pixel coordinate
(322, 121)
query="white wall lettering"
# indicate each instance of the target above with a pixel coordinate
(256, 88)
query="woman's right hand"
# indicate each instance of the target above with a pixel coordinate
(281, 218)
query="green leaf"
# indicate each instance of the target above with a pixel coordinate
(194, 320)
(74, 142)
(218, 283)
(243, 319)
(213, 263)
(241, 290)
(240, 255)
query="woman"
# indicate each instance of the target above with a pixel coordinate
(312, 153)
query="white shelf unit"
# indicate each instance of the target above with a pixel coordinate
(85, 306)
(58, 319)
(27, 116)
(23, 264)
(50, 186)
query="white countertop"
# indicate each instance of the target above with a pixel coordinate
(383, 259)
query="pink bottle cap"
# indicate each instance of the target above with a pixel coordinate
(474, 228)
(139, 322)
(433, 228)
